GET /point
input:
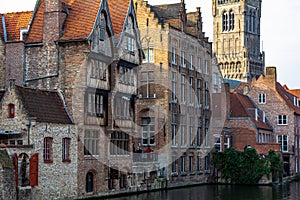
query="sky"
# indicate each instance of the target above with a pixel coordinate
(280, 28)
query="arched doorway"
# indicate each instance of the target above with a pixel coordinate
(89, 187)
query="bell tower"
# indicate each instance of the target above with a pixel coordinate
(236, 26)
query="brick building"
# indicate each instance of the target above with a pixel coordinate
(282, 110)
(41, 139)
(173, 106)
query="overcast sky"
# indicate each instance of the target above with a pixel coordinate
(280, 28)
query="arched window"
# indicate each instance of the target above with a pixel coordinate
(225, 21)
(89, 184)
(231, 21)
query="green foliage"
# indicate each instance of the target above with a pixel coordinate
(241, 167)
(276, 165)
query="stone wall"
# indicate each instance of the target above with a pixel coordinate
(7, 177)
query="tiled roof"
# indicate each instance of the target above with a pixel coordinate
(167, 11)
(288, 97)
(45, 106)
(295, 92)
(78, 25)
(118, 11)
(242, 106)
(14, 22)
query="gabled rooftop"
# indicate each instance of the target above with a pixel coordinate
(43, 105)
(118, 11)
(288, 98)
(13, 24)
(242, 106)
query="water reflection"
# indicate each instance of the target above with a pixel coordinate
(223, 192)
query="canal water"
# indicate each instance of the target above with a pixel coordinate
(290, 191)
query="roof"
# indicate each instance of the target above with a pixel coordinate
(166, 11)
(78, 24)
(45, 106)
(14, 22)
(242, 106)
(288, 98)
(118, 11)
(295, 92)
(232, 83)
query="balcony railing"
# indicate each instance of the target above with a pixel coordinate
(145, 157)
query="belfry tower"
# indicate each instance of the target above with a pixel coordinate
(237, 38)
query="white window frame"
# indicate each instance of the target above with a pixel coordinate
(199, 66)
(182, 59)
(148, 131)
(149, 55)
(174, 60)
(182, 89)
(284, 141)
(281, 119)
(262, 98)
(191, 62)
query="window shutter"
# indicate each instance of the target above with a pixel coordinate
(34, 162)
(16, 168)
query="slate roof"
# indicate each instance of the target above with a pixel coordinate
(288, 98)
(78, 25)
(242, 106)
(14, 22)
(233, 84)
(118, 11)
(45, 106)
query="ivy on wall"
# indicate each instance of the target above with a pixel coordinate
(247, 167)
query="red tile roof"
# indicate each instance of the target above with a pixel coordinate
(14, 22)
(242, 106)
(288, 98)
(45, 106)
(78, 25)
(118, 11)
(295, 92)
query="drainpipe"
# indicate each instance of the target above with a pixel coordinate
(28, 131)
(4, 28)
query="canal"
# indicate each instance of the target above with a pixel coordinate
(289, 191)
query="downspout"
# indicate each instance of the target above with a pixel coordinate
(4, 28)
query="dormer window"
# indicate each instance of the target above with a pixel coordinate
(11, 110)
(102, 29)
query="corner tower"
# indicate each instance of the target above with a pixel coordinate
(237, 38)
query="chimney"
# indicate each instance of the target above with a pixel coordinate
(199, 23)
(271, 75)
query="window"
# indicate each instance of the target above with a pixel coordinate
(91, 140)
(89, 181)
(198, 163)
(11, 110)
(206, 95)
(226, 142)
(119, 143)
(182, 94)
(95, 104)
(183, 127)
(182, 164)
(191, 131)
(191, 61)
(174, 161)
(129, 43)
(199, 132)
(122, 107)
(98, 69)
(206, 131)
(282, 120)
(199, 65)
(206, 167)
(190, 163)
(149, 55)
(48, 149)
(206, 67)
(231, 21)
(126, 76)
(262, 98)
(174, 61)
(191, 91)
(199, 92)
(283, 140)
(218, 145)
(225, 21)
(102, 32)
(174, 133)
(182, 59)
(148, 130)
(174, 86)
(66, 149)
(296, 101)
(147, 84)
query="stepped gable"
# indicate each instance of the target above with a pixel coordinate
(118, 11)
(81, 16)
(242, 106)
(288, 97)
(45, 106)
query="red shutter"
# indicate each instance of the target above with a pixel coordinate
(34, 163)
(16, 168)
